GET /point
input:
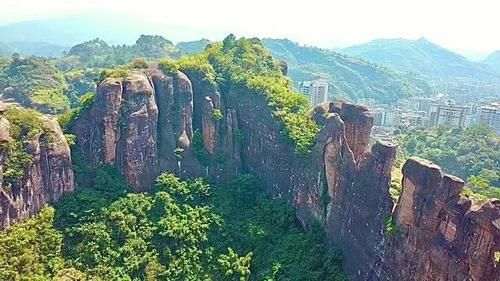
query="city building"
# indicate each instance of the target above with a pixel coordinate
(490, 115)
(447, 115)
(315, 90)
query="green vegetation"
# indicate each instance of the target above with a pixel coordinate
(183, 230)
(246, 63)
(170, 67)
(423, 57)
(50, 100)
(66, 119)
(80, 82)
(217, 115)
(200, 65)
(192, 47)
(472, 154)
(34, 82)
(97, 53)
(390, 226)
(31, 250)
(25, 124)
(117, 72)
(348, 77)
(199, 150)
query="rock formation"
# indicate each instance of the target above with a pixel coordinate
(48, 176)
(151, 122)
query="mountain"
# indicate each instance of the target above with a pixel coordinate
(98, 53)
(348, 76)
(41, 49)
(420, 56)
(265, 209)
(5, 50)
(493, 61)
(193, 47)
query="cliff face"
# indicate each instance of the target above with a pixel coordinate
(144, 125)
(47, 177)
(151, 122)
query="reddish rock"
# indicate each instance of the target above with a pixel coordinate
(44, 181)
(441, 235)
(343, 184)
(208, 126)
(137, 153)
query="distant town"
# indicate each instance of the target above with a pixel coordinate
(460, 110)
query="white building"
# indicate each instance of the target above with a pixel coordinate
(315, 90)
(490, 115)
(447, 115)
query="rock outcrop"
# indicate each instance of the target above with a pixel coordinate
(151, 122)
(46, 178)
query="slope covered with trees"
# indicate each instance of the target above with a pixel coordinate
(420, 56)
(33, 82)
(348, 76)
(192, 47)
(472, 154)
(493, 61)
(183, 230)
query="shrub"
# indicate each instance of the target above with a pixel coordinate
(169, 67)
(217, 115)
(139, 64)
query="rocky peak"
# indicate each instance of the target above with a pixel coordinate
(45, 179)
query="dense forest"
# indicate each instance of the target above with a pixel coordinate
(472, 154)
(181, 230)
(348, 77)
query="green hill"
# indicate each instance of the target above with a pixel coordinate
(33, 82)
(97, 53)
(348, 76)
(421, 56)
(192, 47)
(493, 61)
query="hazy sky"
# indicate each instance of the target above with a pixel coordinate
(463, 25)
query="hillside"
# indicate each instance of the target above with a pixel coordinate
(33, 82)
(318, 185)
(98, 53)
(4, 50)
(420, 56)
(192, 47)
(348, 76)
(493, 61)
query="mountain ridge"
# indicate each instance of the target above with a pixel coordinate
(420, 56)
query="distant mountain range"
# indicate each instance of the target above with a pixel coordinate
(383, 69)
(348, 76)
(422, 57)
(493, 61)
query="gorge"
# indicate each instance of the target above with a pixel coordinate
(157, 119)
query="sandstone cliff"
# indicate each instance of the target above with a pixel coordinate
(151, 122)
(44, 180)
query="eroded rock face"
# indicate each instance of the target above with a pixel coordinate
(44, 181)
(138, 123)
(153, 123)
(441, 235)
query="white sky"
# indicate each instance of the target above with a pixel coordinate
(462, 25)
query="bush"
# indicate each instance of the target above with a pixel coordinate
(50, 100)
(139, 64)
(24, 123)
(217, 115)
(169, 67)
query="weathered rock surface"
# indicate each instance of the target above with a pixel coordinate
(441, 235)
(343, 184)
(45, 180)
